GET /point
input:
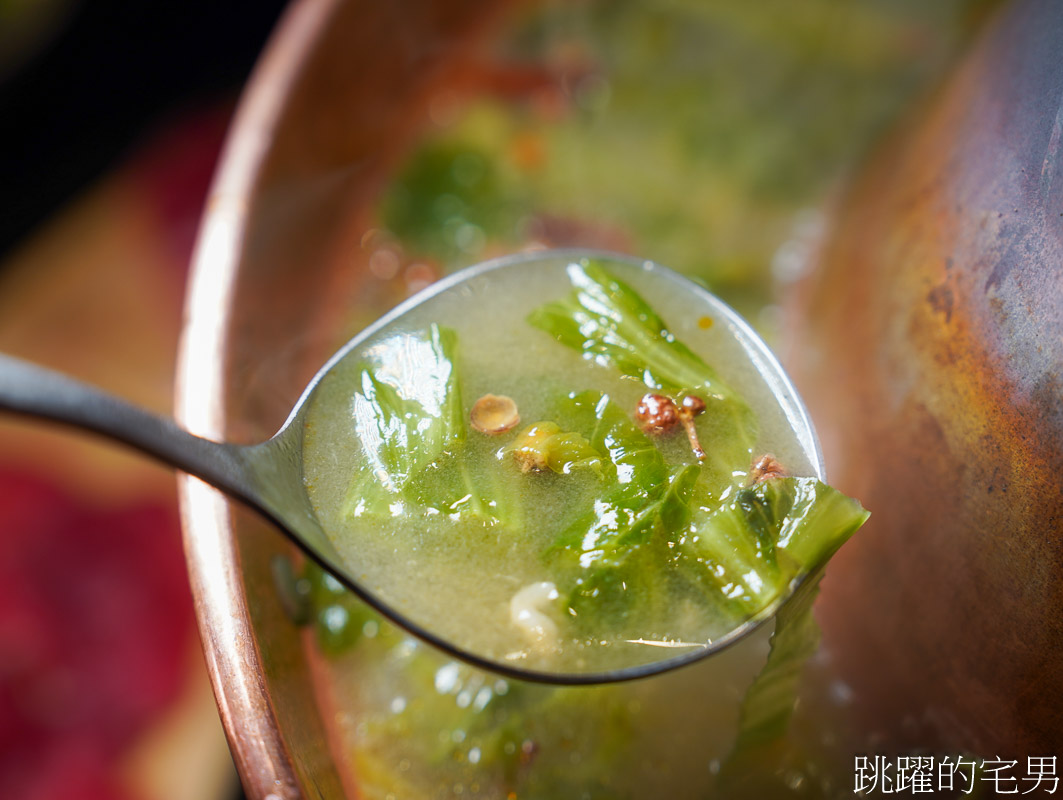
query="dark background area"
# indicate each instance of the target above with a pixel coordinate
(82, 92)
(108, 74)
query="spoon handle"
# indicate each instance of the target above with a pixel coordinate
(34, 391)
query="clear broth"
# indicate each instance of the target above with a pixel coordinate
(457, 578)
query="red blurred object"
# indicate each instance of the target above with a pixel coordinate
(95, 615)
(175, 172)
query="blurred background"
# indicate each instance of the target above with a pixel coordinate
(114, 114)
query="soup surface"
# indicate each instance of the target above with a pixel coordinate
(567, 533)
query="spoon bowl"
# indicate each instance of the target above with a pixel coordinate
(269, 476)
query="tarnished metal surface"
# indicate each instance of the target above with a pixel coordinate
(931, 352)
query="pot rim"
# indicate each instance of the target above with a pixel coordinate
(233, 660)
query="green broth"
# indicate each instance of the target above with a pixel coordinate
(417, 725)
(458, 577)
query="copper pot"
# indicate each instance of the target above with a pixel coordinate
(279, 274)
(930, 352)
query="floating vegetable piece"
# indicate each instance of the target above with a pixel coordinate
(494, 414)
(544, 446)
(631, 463)
(407, 412)
(624, 558)
(750, 548)
(611, 324)
(622, 541)
(529, 451)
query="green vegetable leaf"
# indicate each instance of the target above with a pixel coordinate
(339, 617)
(408, 417)
(769, 702)
(747, 550)
(621, 540)
(610, 323)
(624, 555)
(821, 519)
(407, 410)
(632, 464)
(804, 521)
(545, 446)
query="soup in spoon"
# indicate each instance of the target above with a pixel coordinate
(571, 465)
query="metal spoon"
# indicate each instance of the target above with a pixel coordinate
(268, 476)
